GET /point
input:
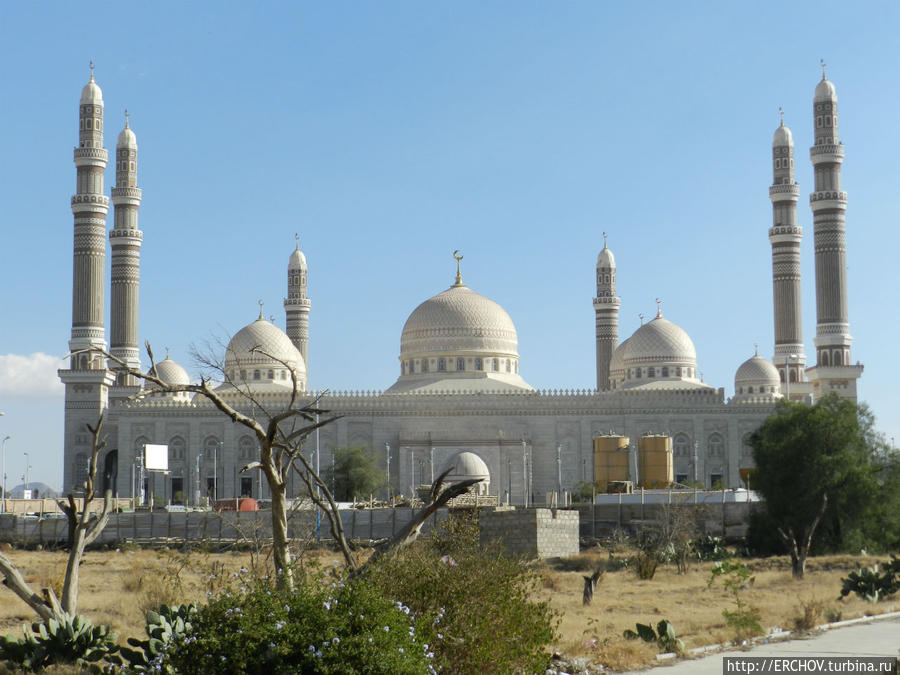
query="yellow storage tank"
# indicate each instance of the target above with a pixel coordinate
(610, 460)
(655, 461)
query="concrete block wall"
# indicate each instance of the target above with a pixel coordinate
(542, 533)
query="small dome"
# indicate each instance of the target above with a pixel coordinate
(91, 94)
(127, 139)
(782, 137)
(825, 91)
(660, 341)
(757, 369)
(170, 372)
(263, 346)
(605, 258)
(297, 260)
(756, 381)
(459, 320)
(468, 465)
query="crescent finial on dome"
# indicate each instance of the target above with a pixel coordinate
(658, 308)
(260, 310)
(457, 258)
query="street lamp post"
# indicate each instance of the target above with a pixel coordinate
(216, 471)
(197, 493)
(3, 452)
(387, 453)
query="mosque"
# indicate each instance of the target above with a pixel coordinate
(461, 398)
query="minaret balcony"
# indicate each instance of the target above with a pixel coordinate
(784, 193)
(91, 157)
(828, 200)
(609, 301)
(826, 153)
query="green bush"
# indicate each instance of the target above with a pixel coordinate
(663, 636)
(710, 548)
(326, 628)
(745, 619)
(163, 627)
(73, 640)
(873, 583)
(476, 605)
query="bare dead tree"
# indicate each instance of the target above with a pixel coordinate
(590, 585)
(84, 527)
(279, 433)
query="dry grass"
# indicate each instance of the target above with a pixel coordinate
(117, 587)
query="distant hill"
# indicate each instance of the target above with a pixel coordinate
(44, 490)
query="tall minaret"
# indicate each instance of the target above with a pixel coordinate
(785, 236)
(606, 308)
(296, 304)
(125, 240)
(829, 204)
(87, 379)
(89, 205)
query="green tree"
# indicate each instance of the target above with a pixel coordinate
(355, 473)
(819, 468)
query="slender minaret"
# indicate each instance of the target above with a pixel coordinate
(785, 236)
(125, 240)
(89, 205)
(296, 304)
(87, 379)
(829, 205)
(606, 308)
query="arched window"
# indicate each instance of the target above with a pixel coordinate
(677, 371)
(460, 364)
(715, 445)
(412, 367)
(247, 448)
(271, 375)
(749, 390)
(837, 358)
(243, 375)
(479, 364)
(424, 365)
(682, 445)
(507, 365)
(255, 374)
(442, 364)
(651, 372)
(496, 365)
(211, 446)
(176, 449)
(665, 371)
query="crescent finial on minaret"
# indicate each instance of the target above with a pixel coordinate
(604, 240)
(822, 63)
(457, 258)
(91, 66)
(297, 237)
(781, 114)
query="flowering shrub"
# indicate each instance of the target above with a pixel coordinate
(320, 628)
(475, 606)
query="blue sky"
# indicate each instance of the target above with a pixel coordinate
(388, 134)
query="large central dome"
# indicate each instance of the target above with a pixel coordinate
(459, 319)
(459, 341)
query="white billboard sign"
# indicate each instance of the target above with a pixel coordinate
(156, 457)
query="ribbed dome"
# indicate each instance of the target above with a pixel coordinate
(825, 91)
(297, 260)
(459, 320)
(273, 345)
(170, 372)
(605, 258)
(660, 341)
(782, 137)
(755, 370)
(127, 139)
(91, 94)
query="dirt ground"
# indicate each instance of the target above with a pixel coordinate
(117, 587)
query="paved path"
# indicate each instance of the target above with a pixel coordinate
(878, 638)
